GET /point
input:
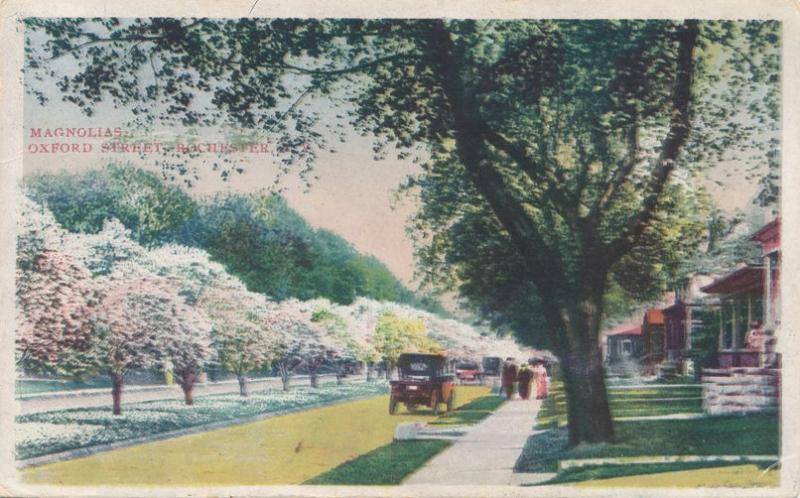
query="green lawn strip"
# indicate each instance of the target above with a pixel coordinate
(756, 434)
(649, 408)
(471, 413)
(724, 435)
(391, 463)
(386, 465)
(611, 471)
(96, 425)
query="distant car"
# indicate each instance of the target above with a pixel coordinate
(423, 382)
(468, 371)
(492, 365)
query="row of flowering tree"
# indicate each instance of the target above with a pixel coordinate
(102, 304)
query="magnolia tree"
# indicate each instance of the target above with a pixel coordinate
(348, 335)
(302, 343)
(104, 251)
(146, 321)
(240, 336)
(57, 308)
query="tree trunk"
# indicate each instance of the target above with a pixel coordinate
(285, 375)
(369, 371)
(187, 384)
(588, 411)
(116, 392)
(312, 377)
(579, 317)
(242, 384)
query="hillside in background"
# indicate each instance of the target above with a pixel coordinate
(258, 238)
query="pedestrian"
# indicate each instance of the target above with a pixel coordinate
(542, 380)
(524, 378)
(508, 377)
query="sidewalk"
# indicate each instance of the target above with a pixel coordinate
(91, 398)
(487, 453)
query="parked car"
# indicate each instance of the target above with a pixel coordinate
(468, 371)
(423, 382)
(492, 365)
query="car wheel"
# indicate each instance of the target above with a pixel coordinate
(435, 402)
(392, 405)
(451, 401)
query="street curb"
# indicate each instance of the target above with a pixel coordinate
(91, 450)
(590, 462)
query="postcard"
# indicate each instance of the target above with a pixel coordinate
(410, 249)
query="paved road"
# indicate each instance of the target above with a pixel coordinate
(89, 398)
(487, 453)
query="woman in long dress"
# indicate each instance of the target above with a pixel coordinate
(542, 380)
(509, 377)
(524, 378)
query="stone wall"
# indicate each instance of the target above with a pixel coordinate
(741, 390)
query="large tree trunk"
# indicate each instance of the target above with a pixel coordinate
(116, 392)
(187, 384)
(242, 384)
(578, 317)
(588, 411)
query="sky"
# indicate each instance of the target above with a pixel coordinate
(352, 196)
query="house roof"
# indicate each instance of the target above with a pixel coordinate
(745, 280)
(654, 317)
(767, 231)
(625, 329)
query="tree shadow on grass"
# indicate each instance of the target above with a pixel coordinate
(542, 451)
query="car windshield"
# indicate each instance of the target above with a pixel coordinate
(467, 366)
(418, 369)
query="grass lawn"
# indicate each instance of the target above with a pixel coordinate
(756, 434)
(731, 476)
(288, 449)
(390, 464)
(386, 465)
(643, 402)
(60, 430)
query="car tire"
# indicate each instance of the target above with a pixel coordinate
(392, 405)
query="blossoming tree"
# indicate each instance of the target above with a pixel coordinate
(146, 320)
(240, 337)
(302, 343)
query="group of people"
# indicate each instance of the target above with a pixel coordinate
(524, 376)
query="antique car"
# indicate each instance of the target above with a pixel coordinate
(468, 371)
(492, 365)
(423, 382)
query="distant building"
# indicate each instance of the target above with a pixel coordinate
(622, 343)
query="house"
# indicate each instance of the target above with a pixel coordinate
(623, 343)
(748, 371)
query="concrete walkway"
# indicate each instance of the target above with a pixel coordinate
(486, 454)
(92, 398)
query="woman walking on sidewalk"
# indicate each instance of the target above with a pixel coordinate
(542, 380)
(524, 378)
(508, 377)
